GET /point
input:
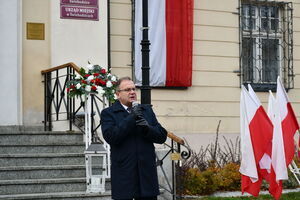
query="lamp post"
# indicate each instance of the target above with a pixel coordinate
(145, 43)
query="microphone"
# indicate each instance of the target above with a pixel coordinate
(135, 104)
(136, 110)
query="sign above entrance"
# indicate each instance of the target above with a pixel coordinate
(74, 12)
(79, 9)
(80, 2)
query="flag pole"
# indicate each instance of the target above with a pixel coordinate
(145, 43)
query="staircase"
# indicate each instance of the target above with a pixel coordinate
(43, 165)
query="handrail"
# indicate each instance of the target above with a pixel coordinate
(70, 64)
(175, 138)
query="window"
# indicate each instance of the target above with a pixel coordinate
(266, 44)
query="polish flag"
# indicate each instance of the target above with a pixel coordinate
(265, 162)
(256, 136)
(289, 122)
(279, 169)
(171, 40)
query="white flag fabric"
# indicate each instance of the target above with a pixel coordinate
(171, 42)
(278, 155)
(248, 108)
(256, 136)
(289, 121)
(158, 48)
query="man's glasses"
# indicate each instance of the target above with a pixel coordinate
(128, 90)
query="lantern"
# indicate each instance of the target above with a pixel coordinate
(96, 165)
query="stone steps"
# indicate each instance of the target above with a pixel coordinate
(59, 196)
(41, 159)
(43, 165)
(31, 186)
(42, 148)
(38, 172)
(40, 138)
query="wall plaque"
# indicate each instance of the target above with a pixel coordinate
(35, 31)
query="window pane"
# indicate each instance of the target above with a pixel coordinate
(264, 11)
(245, 10)
(270, 60)
(247, 59)
(252, 10)
(274, 12)
(274, 24)
(264, 24)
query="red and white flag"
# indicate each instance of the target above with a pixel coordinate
(265, 162)
(278, 154)
(289, 122)
(279, 169)
(256, 136)
(171, 37)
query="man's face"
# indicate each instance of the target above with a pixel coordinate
(126, 93)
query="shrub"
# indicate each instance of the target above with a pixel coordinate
(197, 182)
(229, 178)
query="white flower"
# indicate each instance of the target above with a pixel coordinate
(78, 86)
(113, 78)
(91, 77)
(78, 76)
(115, 96)
(109, 84)
(88, 88)
(100, 90)
(90, 67)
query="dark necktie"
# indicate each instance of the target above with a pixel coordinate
(129, 109)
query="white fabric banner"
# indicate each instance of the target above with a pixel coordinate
(157, 37)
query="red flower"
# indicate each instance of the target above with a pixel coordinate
(87, 75)
(102, 71)
(83, 81)
(72, 86)
(99, 81)
(68, 89)
(102, 82)
(96, 74)
(93, 88)
(92, 81)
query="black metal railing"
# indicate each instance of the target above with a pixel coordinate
(58, 106)
(175, 188)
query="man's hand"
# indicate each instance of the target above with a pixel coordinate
(137, 112)
(142, 122)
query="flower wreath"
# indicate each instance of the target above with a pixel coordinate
(96, 80)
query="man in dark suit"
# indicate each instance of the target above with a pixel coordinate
(131, 135)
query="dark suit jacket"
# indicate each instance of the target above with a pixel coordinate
(133, 167)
